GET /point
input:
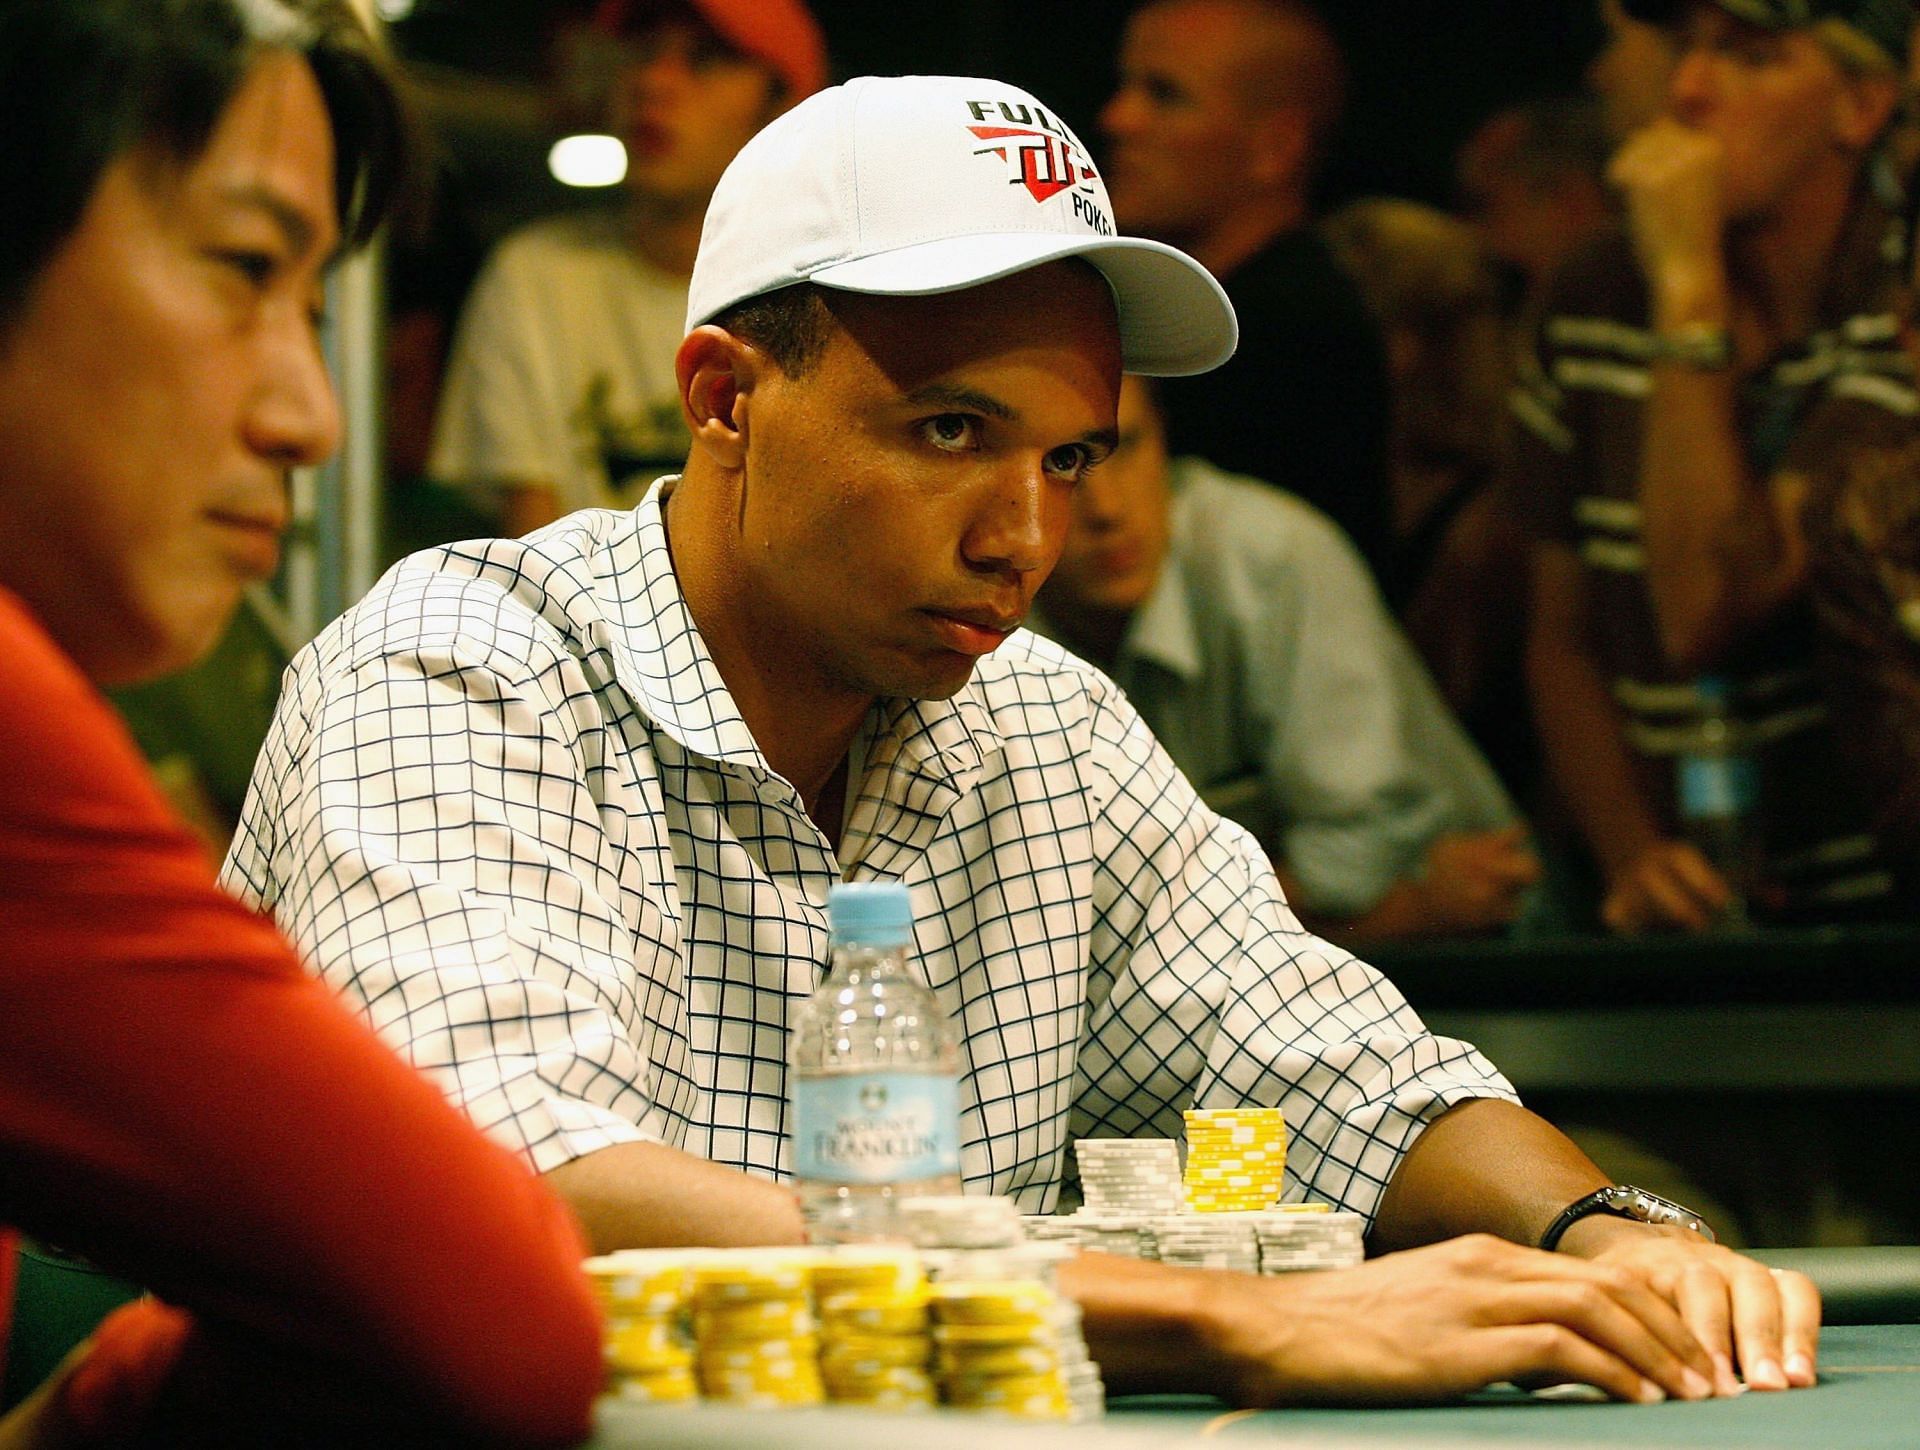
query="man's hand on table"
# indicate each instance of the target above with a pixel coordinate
(1763, 1322)
(1440, 1321)
(1668, 884)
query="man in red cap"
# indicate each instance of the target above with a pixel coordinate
(560, 393)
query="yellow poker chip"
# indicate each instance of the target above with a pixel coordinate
(655, 1389)
(769, 1355)
(872, 1269)
(962, 1337)
(998, 1359)
(998, 1391)
(900, 1349)
(753, 1319)
(639, 1345)
(877, 1379)
(989, 1302)
(870, 1313)
(730, 1274)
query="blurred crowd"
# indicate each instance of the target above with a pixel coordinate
(1539, 564)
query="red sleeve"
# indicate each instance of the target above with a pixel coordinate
(181, 1102)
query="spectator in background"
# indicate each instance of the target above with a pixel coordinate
(1247, 633)
(1672, 375)
(1532, 181)
(1457, 534)
(1223, 112)
(344, 1259)
(560, 394)
(1854, 545)
(1629, 72)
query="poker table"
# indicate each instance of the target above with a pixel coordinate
(1868, 1398)
(1807, 1008)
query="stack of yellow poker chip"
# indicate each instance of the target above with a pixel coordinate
(643, 1296)
(756, 1339)
(874, 1339)
(1236, 1159)
(997, 1347)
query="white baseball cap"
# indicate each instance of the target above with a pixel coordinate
(909, 185)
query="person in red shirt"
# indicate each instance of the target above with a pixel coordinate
(339, 1257)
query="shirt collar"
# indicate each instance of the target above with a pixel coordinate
(1163, 631)
(677, 684)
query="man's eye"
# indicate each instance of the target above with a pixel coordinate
(1071, 462)
(256, 267)
(954, 432)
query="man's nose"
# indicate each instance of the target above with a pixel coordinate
(1020, 524)
(295, 415)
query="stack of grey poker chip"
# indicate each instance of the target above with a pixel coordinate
(1058, 1228)
(1086, 1392)
(1130, 1176)
(1208, 1241)
(1292, 1242)
(961, 1221)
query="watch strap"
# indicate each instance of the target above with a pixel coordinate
(1623, 1200)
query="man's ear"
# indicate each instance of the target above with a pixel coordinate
(717, 372)
(1282, 143)
(1863, 109)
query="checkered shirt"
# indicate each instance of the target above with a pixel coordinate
(508, 806)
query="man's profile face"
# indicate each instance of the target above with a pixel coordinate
(164, 375)
(1629, 74)
(906, 495)
(1179, 128)
(684, 102)
(1770, 97)
(1122, 516)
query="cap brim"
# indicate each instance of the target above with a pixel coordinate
(1175, 319)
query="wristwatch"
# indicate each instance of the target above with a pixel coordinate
(1623, 1200)
(1694, 345)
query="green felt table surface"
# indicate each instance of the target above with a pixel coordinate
(1868, 1399)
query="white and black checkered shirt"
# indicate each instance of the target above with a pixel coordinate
(508, 805)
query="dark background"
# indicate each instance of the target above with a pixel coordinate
(1424, 71)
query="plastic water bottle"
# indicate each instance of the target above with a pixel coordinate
(1718, 787)
(875, 1071)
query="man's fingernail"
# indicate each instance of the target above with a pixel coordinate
(1651, 1393)
(1726, 1382)
(1800, 1369)
(1698, 1387)
(1765, 1374)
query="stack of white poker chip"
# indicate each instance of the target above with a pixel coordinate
(1207, 1241)
(961, 1221)
(1129, 1235)
(1046, 1228)
(1304, 1239)
(1130, 1176)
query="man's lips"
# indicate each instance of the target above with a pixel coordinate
(253, 537)
(972, 631)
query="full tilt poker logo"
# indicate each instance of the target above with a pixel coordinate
(1041, 155)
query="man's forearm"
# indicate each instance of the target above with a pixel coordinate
(647, 1195)
(1486, 1166)
(1580, 725)
(1712, 554)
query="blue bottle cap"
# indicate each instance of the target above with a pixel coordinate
(870, 914)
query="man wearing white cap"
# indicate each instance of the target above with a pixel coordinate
(563, 812)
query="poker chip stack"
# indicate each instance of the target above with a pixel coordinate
(643, 1298)
(1052, 1228)
(1308, 1236)
(1208, 1241)
(1236, 1158)
(757, 1343)
(1126, 1176)
(961, 1221)
(875, 1333)
(997, 1347)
